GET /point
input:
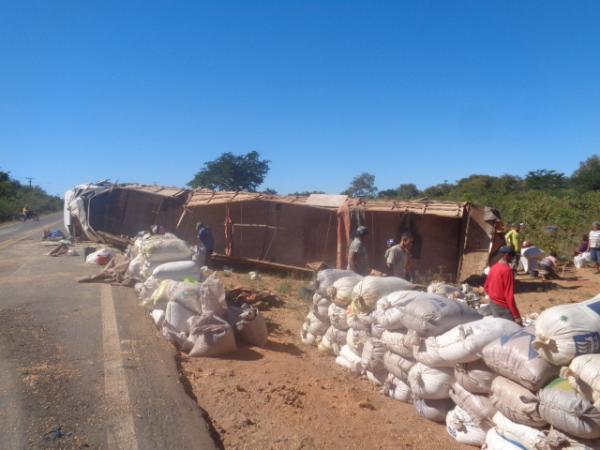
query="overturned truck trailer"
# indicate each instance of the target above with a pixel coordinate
(452, 240)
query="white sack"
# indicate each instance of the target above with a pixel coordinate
(582, 260)
(178, 338)
(583, 375)
(566, 331)
(249, 324)
(432, 315)
(563, 408)
(338, 317)
(177, 270)
(377, 378)
(430, 383)
(397, 342)
(370, 289)
(376, 329)
(397, 389)
(325, 346)
(146, 289)
(312, 329)
(355, 340)
(427, 352)
(464, 429)
(165, 248)
(556, 439)
(211, 294)
(158, 316)
(475, 377)
(340, 292)
(514, 356)
(516, 402)
(321, 307)
(210, 335)
(349, 360)
(135, 267)
(160, 294)
(443, 289)
(326, 278)
(372, 355)
(527, 437)
(358, 320)
(493, 441)
(398, 365)
(478, 406)
(308, 338)
(337, 339)
(464, 342)
(177, 315)
(389, 309)
(92, 258)
(434, 410)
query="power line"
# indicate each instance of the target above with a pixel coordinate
(29, 178)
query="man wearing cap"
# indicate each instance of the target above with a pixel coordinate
(358, 259)
(500, 287)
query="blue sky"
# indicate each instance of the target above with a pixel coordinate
(410, 91)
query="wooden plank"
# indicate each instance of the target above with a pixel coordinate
(258, 225)
(258, 264)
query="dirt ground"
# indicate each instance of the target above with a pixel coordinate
(289, 396)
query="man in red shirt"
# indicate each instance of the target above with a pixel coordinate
(500, 287)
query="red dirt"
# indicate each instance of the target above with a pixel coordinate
(288, 396)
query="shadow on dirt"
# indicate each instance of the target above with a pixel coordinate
(243, 353)
(524, 286)
(288, 347)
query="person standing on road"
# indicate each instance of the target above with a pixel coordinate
(358, 259)
(500, 287)
(594, 245)
(397, 259)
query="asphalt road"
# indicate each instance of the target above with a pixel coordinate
(82, 365)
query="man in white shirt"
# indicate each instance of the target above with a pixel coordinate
(594, 245)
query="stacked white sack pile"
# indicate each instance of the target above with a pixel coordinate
(317, 323)
(494, 383)
(406, 341)
(547, 384)
(443, 334)
(156, 257)
(190, 310)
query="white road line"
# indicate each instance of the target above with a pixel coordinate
(19, 268)
(120, 427)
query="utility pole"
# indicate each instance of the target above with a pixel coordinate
(29, 178)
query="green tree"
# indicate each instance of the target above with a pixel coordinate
(438, 190)
(362, 186)
(404, 191)
(545, 180)
(231, 172)
(587, 177)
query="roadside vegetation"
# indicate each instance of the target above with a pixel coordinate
(14, 195)
(557, 209)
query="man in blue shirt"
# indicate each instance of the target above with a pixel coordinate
(205, 237)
